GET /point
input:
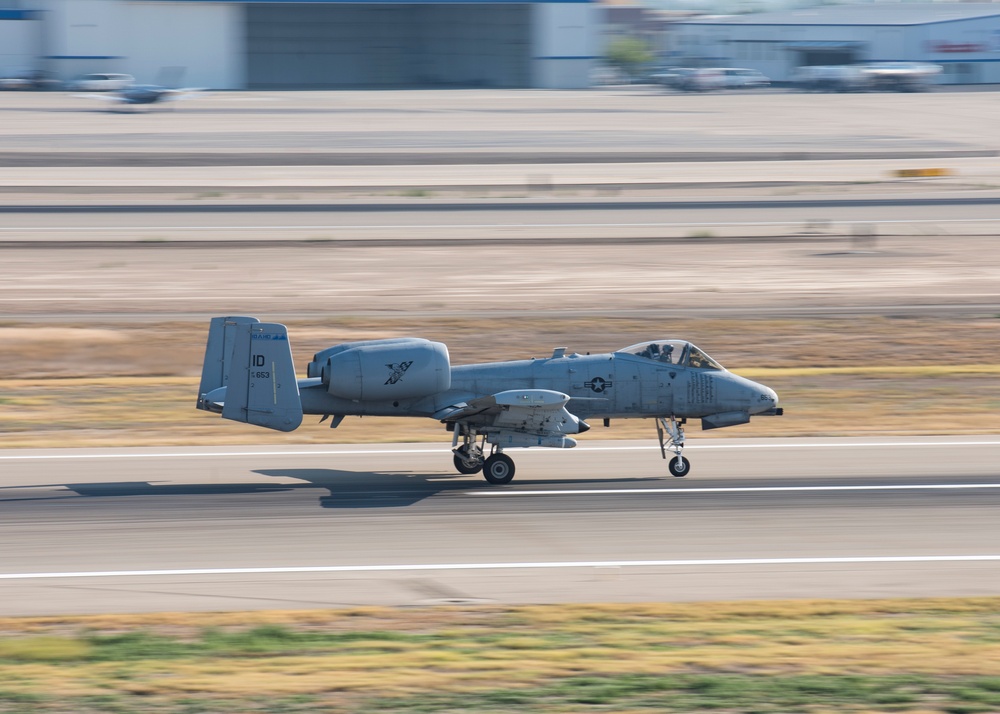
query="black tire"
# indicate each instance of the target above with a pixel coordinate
(499, 469)
(463, 468)
(679, 467)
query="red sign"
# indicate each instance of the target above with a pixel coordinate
(955, 47)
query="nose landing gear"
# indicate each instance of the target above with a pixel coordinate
(678, 466)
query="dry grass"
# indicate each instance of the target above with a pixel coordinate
(176, 349)
(108, 385)
(160, 411)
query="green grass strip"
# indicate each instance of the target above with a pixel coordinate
(816, 657)
(724, 693)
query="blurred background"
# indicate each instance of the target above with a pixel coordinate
(809, 193)
(95, 45)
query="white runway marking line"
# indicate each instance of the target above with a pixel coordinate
(736, 489)
(442, 450)
(508, 566)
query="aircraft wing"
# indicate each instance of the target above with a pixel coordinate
(464, 410)
(105, 97)
(492, 405)
(186, 93)
(531, 411)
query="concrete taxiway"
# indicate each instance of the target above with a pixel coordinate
(132, 530)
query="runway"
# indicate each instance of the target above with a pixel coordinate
(436, 222)
(133, 530)
(43, 127)
(963, 200)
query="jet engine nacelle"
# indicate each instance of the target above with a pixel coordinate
(384, 369)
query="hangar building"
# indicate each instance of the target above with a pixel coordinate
(312, 44)
(964, 38)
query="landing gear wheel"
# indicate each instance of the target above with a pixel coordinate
(679, 466)
(464, 465)
(499, 469)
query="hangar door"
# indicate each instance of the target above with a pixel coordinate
(820, 53)
(316, 46)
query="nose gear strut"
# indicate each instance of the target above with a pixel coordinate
(674, 429)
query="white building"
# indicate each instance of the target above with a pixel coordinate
(234, 44)
(964, 38)
(20, 41)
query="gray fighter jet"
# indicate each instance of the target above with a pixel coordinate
(145, 94)
(248, 376)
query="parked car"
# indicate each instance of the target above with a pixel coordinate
(16, 81)
(702, 80)
(737, 78)
(604, 75)
(901, 76)
(671, 77)
(101, 82)
(29, 79)
(832, 78)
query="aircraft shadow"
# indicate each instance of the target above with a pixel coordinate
(345, 489)
(376, 489)
(145, 488)
(395, 489)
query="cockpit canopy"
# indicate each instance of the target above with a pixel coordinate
(677, 352)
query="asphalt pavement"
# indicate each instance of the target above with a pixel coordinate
(136, 530)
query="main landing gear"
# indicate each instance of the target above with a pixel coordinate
(497, 468)
(469, 459)
(678, 466)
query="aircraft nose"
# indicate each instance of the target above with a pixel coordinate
(763, 400)
(584, 426)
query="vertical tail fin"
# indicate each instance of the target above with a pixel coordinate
(258, 374)
(219, 357)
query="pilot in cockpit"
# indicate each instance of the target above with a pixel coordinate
(661, 354)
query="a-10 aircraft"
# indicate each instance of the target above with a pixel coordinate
(248, 376)
(144, 94)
